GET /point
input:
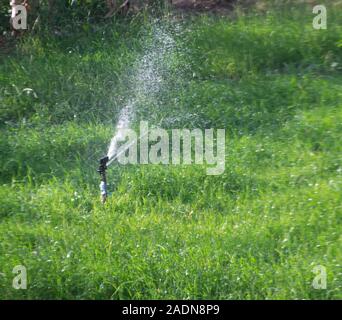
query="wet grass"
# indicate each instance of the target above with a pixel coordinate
(254, 232)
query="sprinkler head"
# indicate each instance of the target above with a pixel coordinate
(103, 165)
(102, 171)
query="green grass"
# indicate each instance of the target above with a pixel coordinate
(254, 232)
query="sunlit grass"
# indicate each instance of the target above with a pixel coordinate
(255, 232)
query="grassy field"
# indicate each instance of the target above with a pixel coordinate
(255, 232)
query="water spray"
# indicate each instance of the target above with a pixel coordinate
(144, 88)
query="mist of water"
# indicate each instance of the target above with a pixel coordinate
(149, 76)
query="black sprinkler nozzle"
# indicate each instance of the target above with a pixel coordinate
(103, 165)
(102, 171)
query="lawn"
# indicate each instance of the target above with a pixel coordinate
(172, 232)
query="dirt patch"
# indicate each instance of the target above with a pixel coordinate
(204, 5)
